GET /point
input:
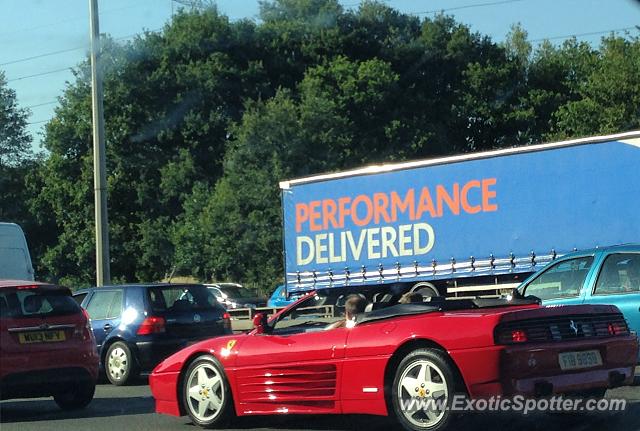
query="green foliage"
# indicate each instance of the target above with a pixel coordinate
(608, 98)
(206, 117)
(318, 12)
(14, 139)
(17, 164)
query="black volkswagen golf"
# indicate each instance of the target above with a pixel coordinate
(136, 326)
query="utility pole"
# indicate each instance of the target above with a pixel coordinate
(103, 273)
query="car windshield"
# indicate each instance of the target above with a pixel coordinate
(316, 311)
(560, 280)
(41, 302)
(181, 298)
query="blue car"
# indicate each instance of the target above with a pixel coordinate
(279, 297)
(137, 326)
(609, 275)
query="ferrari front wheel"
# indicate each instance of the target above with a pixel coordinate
(206, 395)
(422, 391)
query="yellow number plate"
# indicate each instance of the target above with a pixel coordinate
(41, 337)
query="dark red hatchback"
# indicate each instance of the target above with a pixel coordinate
(46, 345)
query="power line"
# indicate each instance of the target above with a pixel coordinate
(532, 40)
(41, 104)
(51, 24)
(38, 74)
(469, 6)
(37, 122)
(137, 34)
(46, 54)
(68, 67)
(592, 33)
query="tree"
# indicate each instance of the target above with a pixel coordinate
(170, 99)
(15, 155)
(234, 233)
(204, 118)
(18, 184)
(15, 141)
(608, 98)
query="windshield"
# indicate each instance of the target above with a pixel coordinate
(181, 298)
(560, 280)
(318, 310)
(236, 292)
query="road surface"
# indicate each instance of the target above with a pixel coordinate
(131, 408)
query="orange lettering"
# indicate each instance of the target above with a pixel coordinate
(302, 215)
(343, 211)
(464, 198)
(425, 204)
(488, 194)
(314, 215)
(380, 204)
(452, 202)
(329, 213)
(354, 214)
(399, 204)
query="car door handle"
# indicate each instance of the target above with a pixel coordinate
(107, 327)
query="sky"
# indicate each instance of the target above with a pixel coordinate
(40, 40)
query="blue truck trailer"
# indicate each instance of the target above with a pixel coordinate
(468, 223)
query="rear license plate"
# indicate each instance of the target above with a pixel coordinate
(41, 337)
(577, 360)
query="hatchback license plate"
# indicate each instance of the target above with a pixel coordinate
(577, 360)
(41, 337)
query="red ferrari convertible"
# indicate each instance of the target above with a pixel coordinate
(394, 354)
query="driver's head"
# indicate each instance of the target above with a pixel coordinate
(353, 305)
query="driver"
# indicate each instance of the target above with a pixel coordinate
(632, 283)
(410, 298)
(353, 305)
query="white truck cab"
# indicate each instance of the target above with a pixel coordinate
(15, 260)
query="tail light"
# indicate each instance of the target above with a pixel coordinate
(226, 322)
(84, 331)
(511, 336)
(152, 325)
(617, 328)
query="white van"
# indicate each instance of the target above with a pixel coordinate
(15, 260)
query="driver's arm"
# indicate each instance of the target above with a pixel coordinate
(336, 325)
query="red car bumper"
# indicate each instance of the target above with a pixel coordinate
(42, 373)
(163, 387)
(535, 370)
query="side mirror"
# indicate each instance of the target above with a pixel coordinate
(260, 323)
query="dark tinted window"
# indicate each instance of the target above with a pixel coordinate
(36, 303)
(181, 298)
(105, 304)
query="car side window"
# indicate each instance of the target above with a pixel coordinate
(620, 273)
(79, 298)
(561, 280)
(105, 305)
(116, 305)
